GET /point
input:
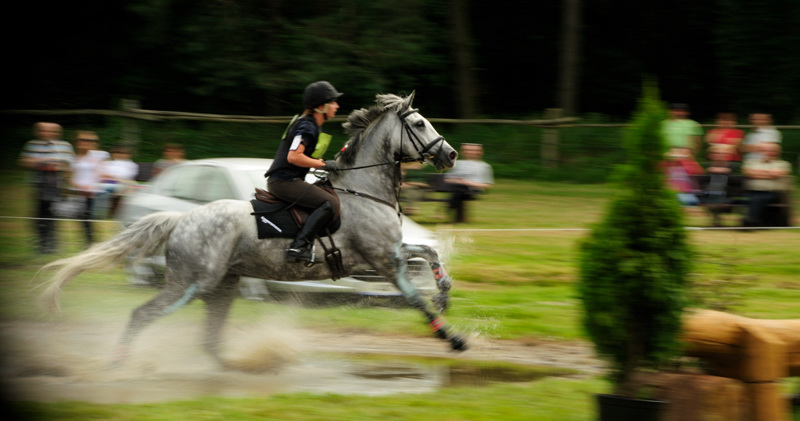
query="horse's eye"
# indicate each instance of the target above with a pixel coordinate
(420, 124)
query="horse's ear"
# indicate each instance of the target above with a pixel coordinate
(409, 99)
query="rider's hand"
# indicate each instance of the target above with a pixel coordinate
(330, 166)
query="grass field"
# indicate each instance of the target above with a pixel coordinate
(514, 265)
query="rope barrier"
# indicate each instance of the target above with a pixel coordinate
(467, 229)
(59, 219)
(589, 229)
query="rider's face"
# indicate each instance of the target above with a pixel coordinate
(331, 109)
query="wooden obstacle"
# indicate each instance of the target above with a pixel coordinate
(756, 352)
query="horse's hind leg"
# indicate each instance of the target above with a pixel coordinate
(443, 281)
(171, 298)
(218, 305)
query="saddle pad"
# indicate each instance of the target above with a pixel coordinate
(275, 220)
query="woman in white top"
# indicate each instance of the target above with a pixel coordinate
(86, 175)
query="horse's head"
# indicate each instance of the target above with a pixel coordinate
(420, 140)
(408, 137)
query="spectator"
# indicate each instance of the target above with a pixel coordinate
(680, 131)
(469, 178)
(720, 159)
(726, 133)
(49, 159)
(173, 154)
(765, 181)
(762, 132)
(679, 167)
(118, 175)
(86, 176)
(719, 169)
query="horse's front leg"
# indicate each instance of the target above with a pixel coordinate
(436, 322)
(441, 300)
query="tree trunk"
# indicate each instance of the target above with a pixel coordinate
(466, 90)
(569, 57)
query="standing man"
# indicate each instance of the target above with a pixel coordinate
(286, 176)
(680, 131)
(49, 159)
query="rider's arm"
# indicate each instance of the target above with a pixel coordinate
(299, 158)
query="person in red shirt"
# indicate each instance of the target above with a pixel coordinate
(726, 133)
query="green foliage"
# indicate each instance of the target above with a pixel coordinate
(250, 52)
(635, 263)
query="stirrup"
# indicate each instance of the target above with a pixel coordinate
(305, 255)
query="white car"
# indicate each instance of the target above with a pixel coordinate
(194, 183)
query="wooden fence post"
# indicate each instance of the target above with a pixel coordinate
(131, 131)
(550, 135)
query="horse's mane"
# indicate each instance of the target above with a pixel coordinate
(358, 121)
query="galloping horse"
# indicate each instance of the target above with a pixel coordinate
(208, 248)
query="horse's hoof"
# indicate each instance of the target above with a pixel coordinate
(458, 343)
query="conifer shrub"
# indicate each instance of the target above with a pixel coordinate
(634, 266)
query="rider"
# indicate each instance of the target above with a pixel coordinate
(286, 176)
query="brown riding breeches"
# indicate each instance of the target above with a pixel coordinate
(303, 194)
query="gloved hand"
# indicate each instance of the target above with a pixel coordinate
(330, 165)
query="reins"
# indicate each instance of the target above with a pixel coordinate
(365, 195)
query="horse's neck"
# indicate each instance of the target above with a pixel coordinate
(379, 181)
(374, 171)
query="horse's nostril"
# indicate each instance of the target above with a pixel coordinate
(453, 155)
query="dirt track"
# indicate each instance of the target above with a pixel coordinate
(52, 361)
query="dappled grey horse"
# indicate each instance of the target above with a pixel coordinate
(208, 248)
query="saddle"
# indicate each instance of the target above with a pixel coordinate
(297, 213)
(285, 218)
(276, 218)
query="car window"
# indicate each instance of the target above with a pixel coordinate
(177, 182)
(197, 183)
(185, 184)
(213, 185)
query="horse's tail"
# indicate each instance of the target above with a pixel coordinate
(143, 238)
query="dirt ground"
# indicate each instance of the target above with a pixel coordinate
(57, 361)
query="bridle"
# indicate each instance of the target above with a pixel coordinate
(421, 148)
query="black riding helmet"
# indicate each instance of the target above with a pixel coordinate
(319, 93)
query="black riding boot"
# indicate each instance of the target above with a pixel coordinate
(300, 250)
